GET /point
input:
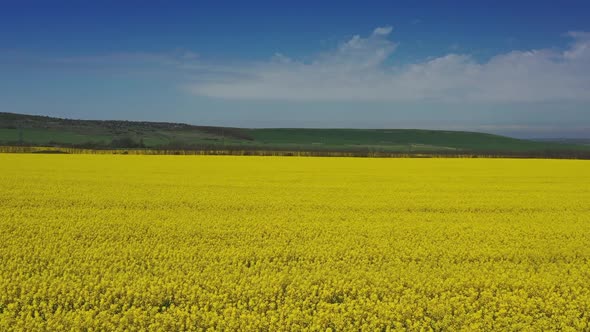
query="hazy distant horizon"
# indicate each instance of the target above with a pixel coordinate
(516, 133)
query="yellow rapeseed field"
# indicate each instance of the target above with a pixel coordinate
(171, 243)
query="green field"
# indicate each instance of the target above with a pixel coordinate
(19, 129)
(395, 139)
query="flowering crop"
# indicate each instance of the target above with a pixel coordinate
(101, 242)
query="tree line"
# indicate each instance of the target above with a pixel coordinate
(271, 151)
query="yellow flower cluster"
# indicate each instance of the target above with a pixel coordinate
(169, 243)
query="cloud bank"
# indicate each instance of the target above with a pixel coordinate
(358, 70)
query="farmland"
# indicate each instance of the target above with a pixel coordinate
(31, 130)
(162, 243)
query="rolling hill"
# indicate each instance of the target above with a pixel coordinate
(34, 130)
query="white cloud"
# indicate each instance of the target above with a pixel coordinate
(357, 70)
(178, 57)
(383, 30)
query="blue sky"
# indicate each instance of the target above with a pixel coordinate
(518, 69)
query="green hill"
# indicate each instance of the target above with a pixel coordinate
(20, 129)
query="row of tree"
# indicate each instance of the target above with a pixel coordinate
(257, 151)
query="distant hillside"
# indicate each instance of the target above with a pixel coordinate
(20, 129)
(578, 141)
